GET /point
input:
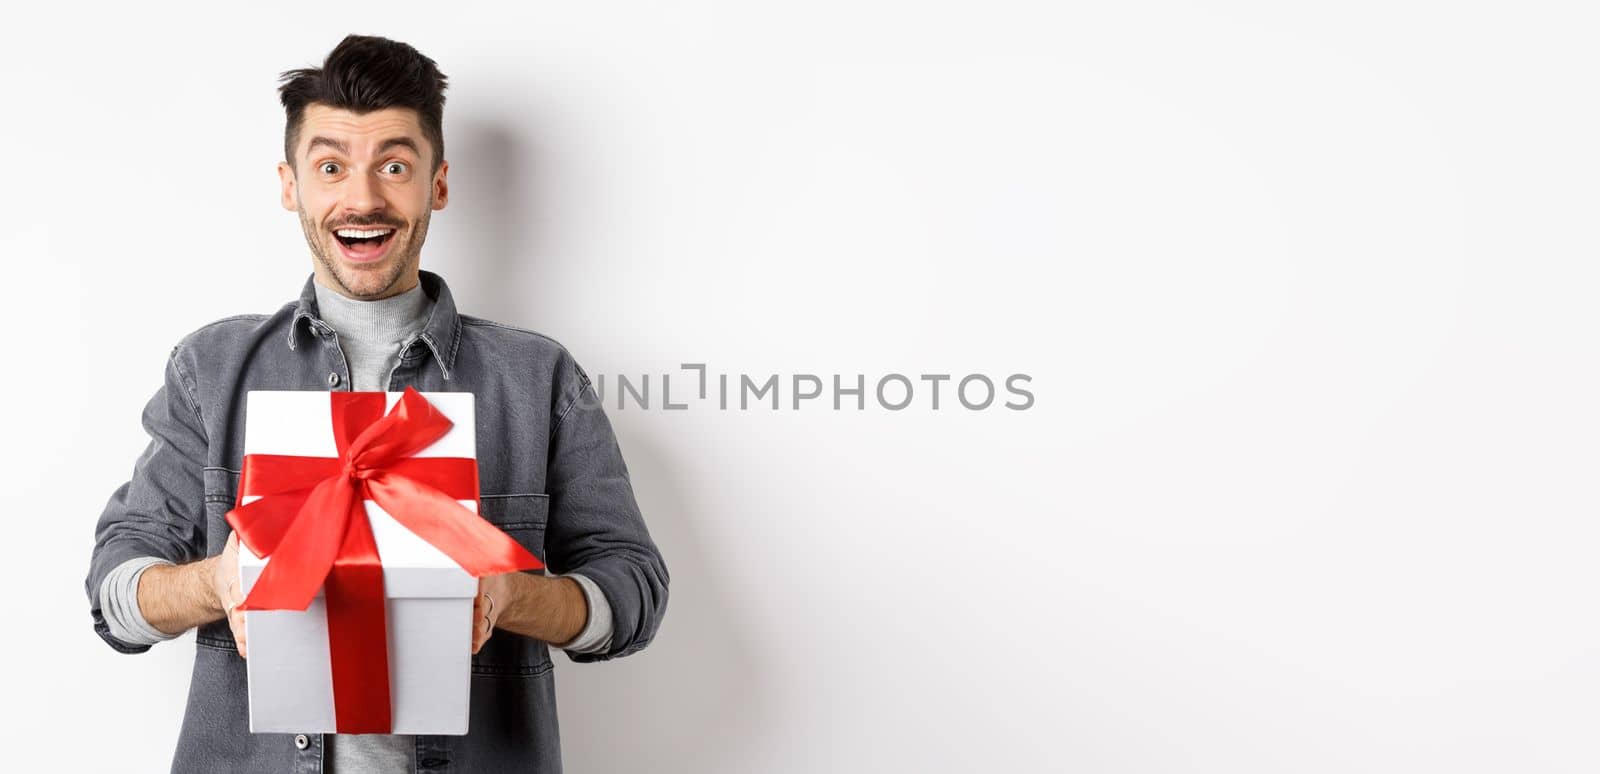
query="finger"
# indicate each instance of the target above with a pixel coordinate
(480, 633)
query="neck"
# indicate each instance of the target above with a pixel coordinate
(325, 278)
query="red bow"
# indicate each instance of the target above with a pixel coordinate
(311, 520)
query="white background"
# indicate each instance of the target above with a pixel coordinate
(1307, 296)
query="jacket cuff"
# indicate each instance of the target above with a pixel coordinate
(637, 591)
(111, 556)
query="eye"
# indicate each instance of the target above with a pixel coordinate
(396, 167)
(329, 168)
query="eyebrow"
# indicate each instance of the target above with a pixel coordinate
(340, 146)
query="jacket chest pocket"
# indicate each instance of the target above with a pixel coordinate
(523, 516)
(220, 485)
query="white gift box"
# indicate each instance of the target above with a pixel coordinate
(428, 596)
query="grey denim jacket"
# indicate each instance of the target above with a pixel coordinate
(551, 476)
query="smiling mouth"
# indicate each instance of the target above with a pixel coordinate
(364, 244)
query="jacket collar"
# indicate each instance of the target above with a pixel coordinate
(442, 333)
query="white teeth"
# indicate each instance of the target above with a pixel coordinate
(355, 233)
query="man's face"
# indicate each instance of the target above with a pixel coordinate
(362, 187)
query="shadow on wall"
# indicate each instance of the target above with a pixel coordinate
(498, 234)
(694, 700)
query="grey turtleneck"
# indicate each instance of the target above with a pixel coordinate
(370, 333)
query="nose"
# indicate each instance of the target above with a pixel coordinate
(362, 194)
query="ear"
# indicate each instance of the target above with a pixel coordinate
(286, 182)
(441, 187)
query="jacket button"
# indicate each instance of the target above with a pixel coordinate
(333, 379)
(301, 742)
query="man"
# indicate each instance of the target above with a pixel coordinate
(364, 168)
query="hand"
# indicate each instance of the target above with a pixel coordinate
(225, 585)
(494, 594)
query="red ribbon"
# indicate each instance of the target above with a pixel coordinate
(311, 520)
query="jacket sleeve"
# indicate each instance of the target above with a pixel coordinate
(595, 527)
(160, 511)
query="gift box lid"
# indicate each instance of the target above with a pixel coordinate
(297, 422)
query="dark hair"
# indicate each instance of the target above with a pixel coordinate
(362, 74)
